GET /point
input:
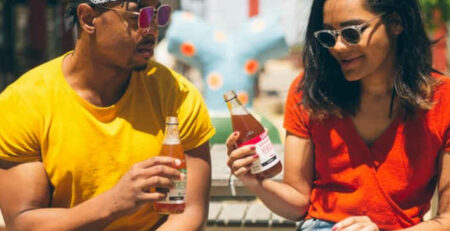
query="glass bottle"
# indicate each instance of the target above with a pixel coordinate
(174, 202)
(253, 133)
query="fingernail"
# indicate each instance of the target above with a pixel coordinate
(177, 162)
(182, 176)
(334, 228)
(252, 148)
(255, 156)
(235, 133)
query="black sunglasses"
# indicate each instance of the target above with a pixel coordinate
(350, 34)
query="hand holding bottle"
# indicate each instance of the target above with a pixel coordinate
(241, 159)
(133, 189)
(252, 133)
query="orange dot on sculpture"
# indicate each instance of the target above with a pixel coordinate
(187, 49)
(251, 66)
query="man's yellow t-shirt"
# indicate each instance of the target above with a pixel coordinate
(86, 149)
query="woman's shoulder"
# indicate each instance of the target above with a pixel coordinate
(442, 90)
(294, 88)
(441, 94)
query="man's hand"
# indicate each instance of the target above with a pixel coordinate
(133, 189)
(355, 223)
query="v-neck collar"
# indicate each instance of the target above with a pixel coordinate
(380, 140)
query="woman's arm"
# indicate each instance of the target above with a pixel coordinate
(442, 221)
(289, 198)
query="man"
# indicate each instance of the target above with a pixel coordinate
(80, 135)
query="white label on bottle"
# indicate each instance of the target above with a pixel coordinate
(264, 148)
(176, 195)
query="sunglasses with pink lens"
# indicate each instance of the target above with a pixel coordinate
(146, 15)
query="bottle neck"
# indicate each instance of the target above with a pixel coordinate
(236, 108)
(171, 135)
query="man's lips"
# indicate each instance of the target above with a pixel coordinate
(146, 51)
(146, 47)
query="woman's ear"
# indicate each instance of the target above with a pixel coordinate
(395, 24)
(86, 16)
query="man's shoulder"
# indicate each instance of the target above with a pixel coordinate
(38, 79)
(159, 75)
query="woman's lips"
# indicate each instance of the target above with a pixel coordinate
(349, 63)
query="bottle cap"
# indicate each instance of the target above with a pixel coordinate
(171, 120)
(229, 95)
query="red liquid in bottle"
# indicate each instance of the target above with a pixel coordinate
(253, 133)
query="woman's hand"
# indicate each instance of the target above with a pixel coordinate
(240, 160)
(355, 223)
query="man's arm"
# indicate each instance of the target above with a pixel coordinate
(25, 197)
(198, 163)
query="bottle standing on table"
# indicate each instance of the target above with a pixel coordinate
(174, 202)
(253, 133)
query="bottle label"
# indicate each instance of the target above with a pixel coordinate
(175, 195)
(264, 148)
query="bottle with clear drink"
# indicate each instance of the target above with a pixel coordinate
(174, 202)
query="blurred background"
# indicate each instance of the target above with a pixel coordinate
(32, 32)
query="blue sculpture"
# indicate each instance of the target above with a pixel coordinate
(227, 61)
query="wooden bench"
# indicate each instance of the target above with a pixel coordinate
(239, 210)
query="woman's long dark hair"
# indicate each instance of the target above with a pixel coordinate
(327, 92)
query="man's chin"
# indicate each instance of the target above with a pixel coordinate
(139, 67)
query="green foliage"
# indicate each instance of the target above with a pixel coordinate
(428, 7)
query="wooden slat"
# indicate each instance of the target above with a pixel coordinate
(232, 214)
(214, 210)
(257, 215)
(278, 221)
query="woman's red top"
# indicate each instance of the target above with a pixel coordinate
(392, 180)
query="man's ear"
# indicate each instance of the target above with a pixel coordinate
(86, 15)
(395, 24)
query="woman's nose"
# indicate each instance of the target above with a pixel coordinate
(340, 44)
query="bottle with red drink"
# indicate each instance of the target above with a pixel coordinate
(174, 202)
(253, 133)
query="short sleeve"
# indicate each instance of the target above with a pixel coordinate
(296, 119)
(441, 111)
(19, 126)
(194, 122)
(447, 141)
(445, 100)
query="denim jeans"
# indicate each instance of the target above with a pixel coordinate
(314, 224)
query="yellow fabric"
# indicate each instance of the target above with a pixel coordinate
(86, 149)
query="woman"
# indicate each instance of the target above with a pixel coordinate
(368, 125)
